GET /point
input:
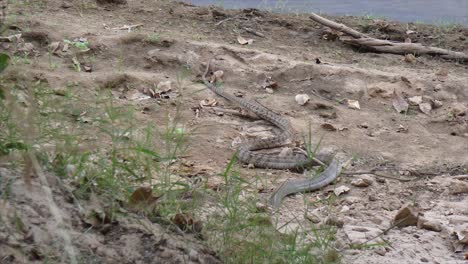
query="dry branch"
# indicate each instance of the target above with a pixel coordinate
(359, 39)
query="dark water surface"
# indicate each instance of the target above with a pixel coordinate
(427, 11)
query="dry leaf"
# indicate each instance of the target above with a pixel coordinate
(54, 47)
(425, 108)
(217, 76)
(410, 58)
(208, 102)
(244, 41)
(399, 103)
(328, 126)
(340, 190)
(186, 223)
(269, 83)
(302, 99)
(142, 199)
(353, 104)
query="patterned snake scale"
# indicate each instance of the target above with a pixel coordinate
(246, 151)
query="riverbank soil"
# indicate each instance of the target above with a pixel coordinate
(149, 56)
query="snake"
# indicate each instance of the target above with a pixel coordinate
(246, 151)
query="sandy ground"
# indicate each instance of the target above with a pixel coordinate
(421, 152)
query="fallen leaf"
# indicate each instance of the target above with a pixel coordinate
(340, 190)
(208, 102)
(402, 129)
(54, 47)
(244, 41)
(302, 99)
(399, 103)
(425, 108)
(269, 83)
(217, 76)
(410, 58)
(87, 68)
(142, 199)
(186, 223)
(328, 126)
(353, 104)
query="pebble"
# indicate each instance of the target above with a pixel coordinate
(458, 187)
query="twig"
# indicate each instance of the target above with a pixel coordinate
(373, 172)
(227, 19)
(128, 27)
(460, 177)
(359, 39)
(251, 31)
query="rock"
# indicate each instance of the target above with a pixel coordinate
(360, 234)
(164, 86)
(415, 100)
(458, 187)
(425, 108)
(437, 103)
(438, 87)
(380, 251)
(458, 109)
(406, 216)
(313, 218)
(362, 182)
(334, 221)
(410, 58)
(269, 90)
(302, 99)
(429, 225)
(382, 89)
(340, 190)
(261, 207)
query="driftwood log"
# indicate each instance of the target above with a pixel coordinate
(357, 38)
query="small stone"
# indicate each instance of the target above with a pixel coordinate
(164, 86)
(363, 125)
(429, 225)
(437, 103)
(269, 90)
(361, 182)
(415, 100)
(438, 87)
(193, 255)
(313, 218)
(380, 251)
(261, 207)
(425, 108)
(458, 187)
(458, 109)
(302, 99)
(406, 216)
(334, 221)
(410, 58)
(423, 259)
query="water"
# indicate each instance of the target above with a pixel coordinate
(427, 11)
